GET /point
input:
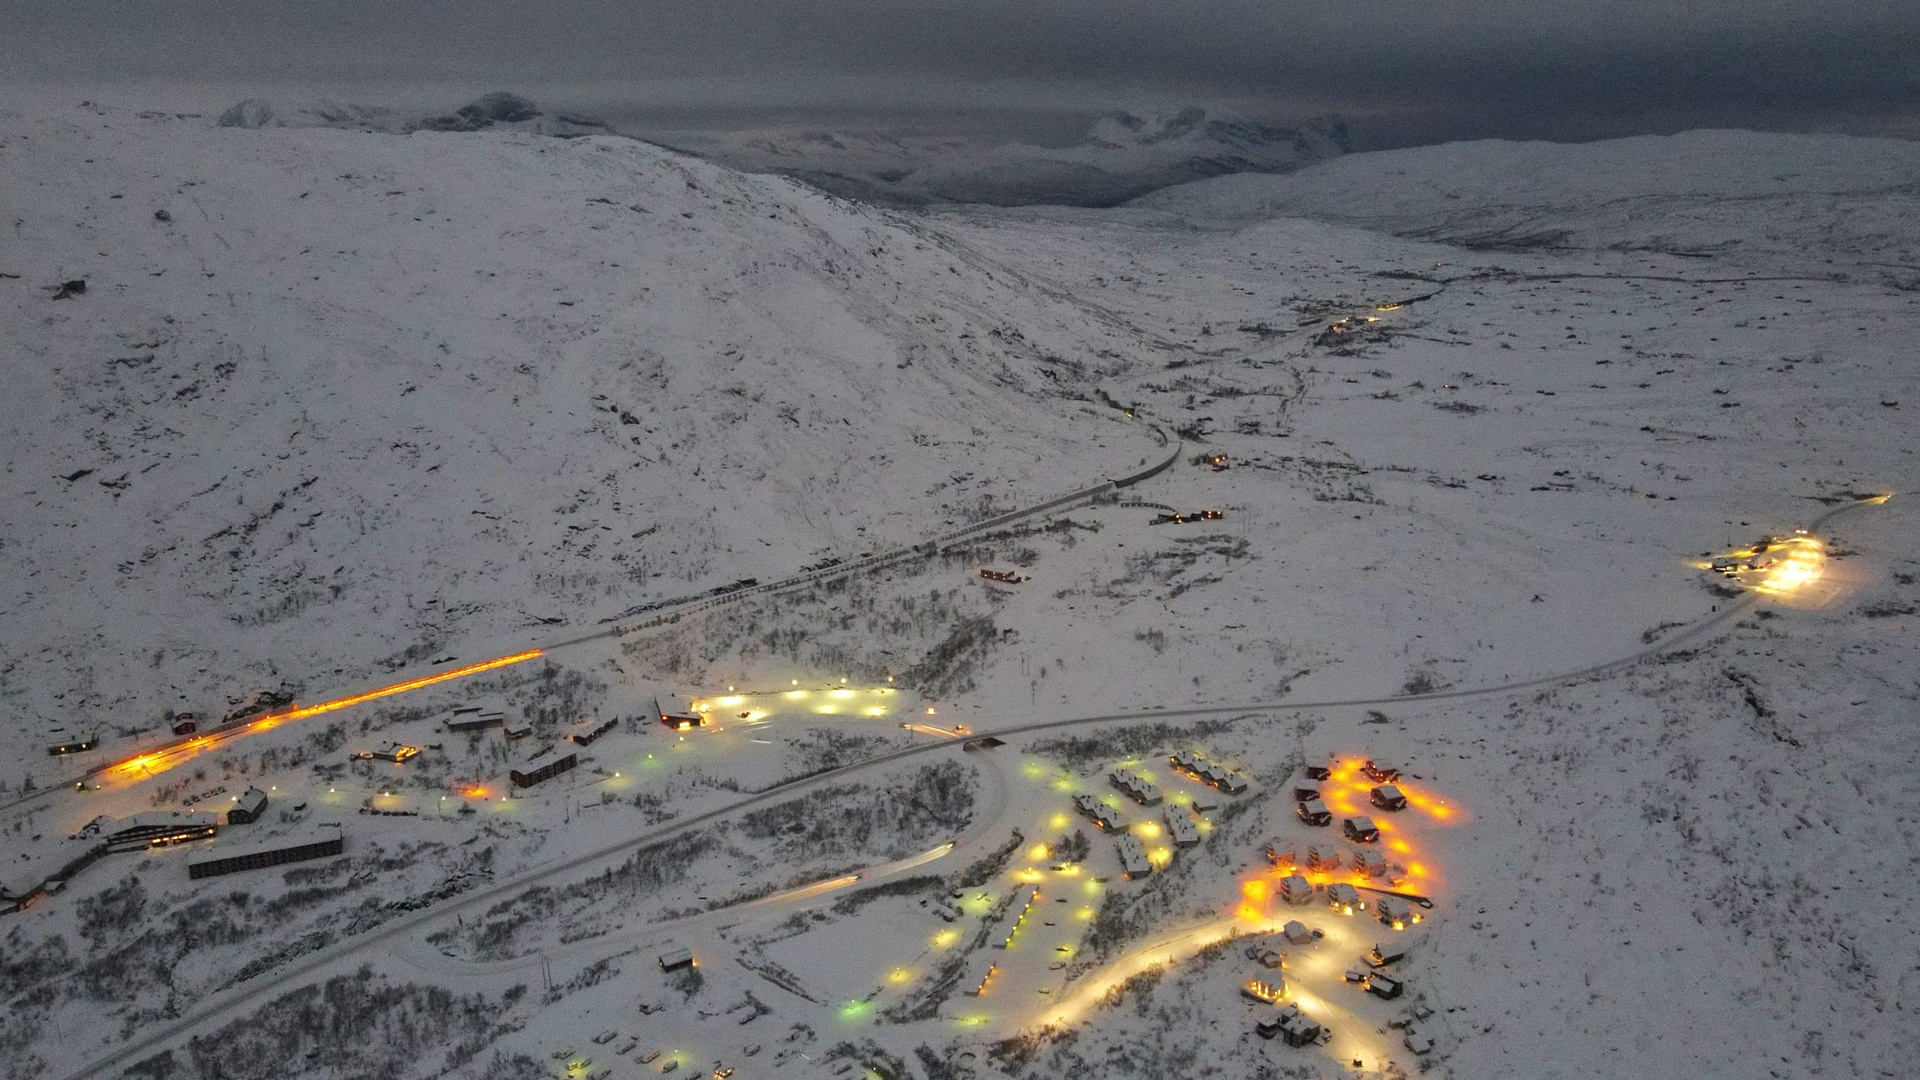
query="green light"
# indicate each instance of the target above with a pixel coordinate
(853, 1010)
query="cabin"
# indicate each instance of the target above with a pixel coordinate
(1370, 864)
(1282, 854)
(1323, 858)
(1296, 890)
(248, 807)
(395, 752)
(1396, 913)
(1385, 986)
(677, 712)
(676, 958)
(1296, 932)
(1387, 797)
(1378, 773)
(78, 744)
(1314, 812)
(1360, 830)
(1344, 899)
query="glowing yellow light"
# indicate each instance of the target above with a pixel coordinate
(1038, 852)
(899, 975)
(410, 684)
(1059, 821)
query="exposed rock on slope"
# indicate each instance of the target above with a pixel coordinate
(496, 111)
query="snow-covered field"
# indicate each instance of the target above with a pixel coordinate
(336, 406)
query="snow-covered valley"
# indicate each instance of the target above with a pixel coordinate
(336, 406)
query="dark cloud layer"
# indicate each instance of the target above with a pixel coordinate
(1572, 68)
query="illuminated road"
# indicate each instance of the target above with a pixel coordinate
(216, 1006)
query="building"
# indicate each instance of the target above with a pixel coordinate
(159, 828)
(677, 712)
(1297, 933)
(1344, 899)
(1283, 854)
(1290, 1024)
(1387, 797)
(1314, 812)
(248, 807)
(395, 752)
(545, 765)
(1181, 827)
(516, 731)
(1099, 813)
(184, 723)
(1323, 858)
(1136, 786)
(217, 859)
(74, 745)
(676, 958)
(1370, 864)
(1133, 857)
(1360, 830)
(1394, 949)
(1265, 992)
(475, 718)
(1300, 1031)
(1296, 890)
(591, 731)
(1384, 986)
(1396, 912)
(1378, 773)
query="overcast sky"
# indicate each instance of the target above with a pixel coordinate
(1402, 71)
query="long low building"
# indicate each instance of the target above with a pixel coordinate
(216, 859)
(1133, 857)
(545, 765)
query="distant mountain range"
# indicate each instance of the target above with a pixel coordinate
(499, 111)
(1122, 156)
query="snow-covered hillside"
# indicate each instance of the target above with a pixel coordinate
(1742, 195)
(1120, 157)
(354, 399)
(1469, 420)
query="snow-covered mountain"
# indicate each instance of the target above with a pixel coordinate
(1122, 156)
(1698, 193)
(369, 391)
